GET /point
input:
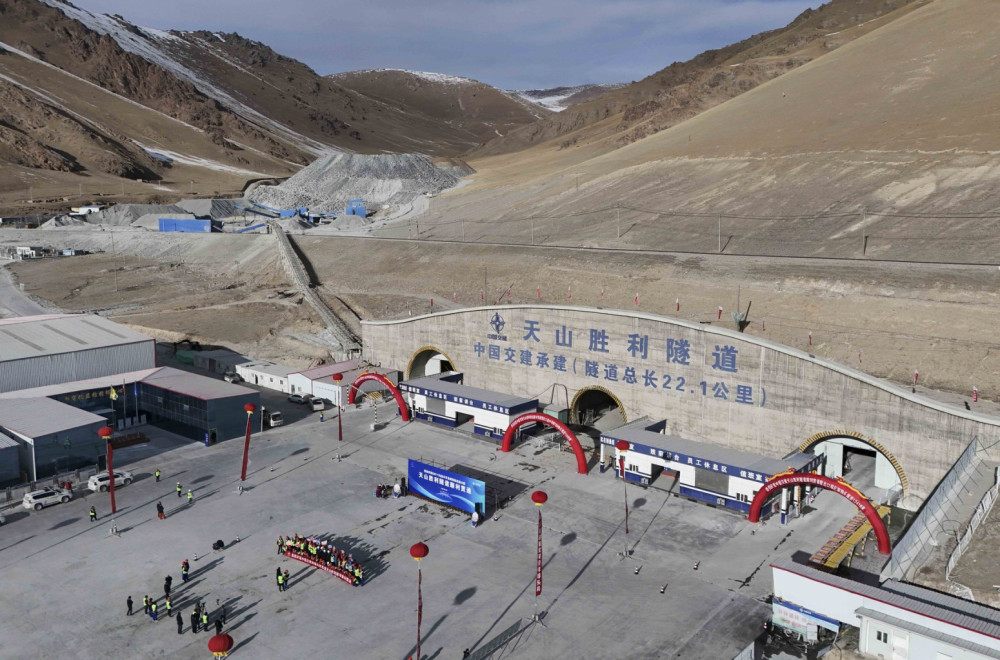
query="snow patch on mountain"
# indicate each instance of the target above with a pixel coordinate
(557, 99)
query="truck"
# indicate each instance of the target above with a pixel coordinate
(271, 418)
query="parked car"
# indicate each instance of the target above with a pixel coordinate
(272, 418)
(100, 481)
(317, 403)
(296, 398)
(37, 499)
(232, 377)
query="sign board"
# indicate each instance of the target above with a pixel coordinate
(797, 618)
(448, 488)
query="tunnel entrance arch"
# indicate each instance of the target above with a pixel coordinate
(428, 361)
(847, 452)
(597, 407)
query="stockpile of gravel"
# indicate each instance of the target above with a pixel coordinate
(331, 181)
(217, 209)
(126, 214)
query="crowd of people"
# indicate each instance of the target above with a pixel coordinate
(323, 553)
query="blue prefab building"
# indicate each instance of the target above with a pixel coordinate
(710, 473)
(443, 399)
(356, 207)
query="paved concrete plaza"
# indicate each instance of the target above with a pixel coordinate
(66, 579)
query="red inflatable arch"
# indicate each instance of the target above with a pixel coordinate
(508, 436)
(404, 412)
(838, 486)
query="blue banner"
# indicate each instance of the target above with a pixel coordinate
(446, 487)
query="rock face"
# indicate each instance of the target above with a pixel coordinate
(331, 181)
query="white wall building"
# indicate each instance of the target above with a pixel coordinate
(897, 620)
(58, 348)
(266, 374)
(301, 382)
(444, 400)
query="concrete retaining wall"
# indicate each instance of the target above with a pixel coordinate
(710, 383)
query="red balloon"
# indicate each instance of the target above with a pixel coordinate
(622, 445)
(250, 408)
(539, 497)
(419, 550)
(220, 644)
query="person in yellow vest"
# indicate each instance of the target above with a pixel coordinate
(152, 611)
(204, 620)
(157, 475)
(190, 497)
(281, 582)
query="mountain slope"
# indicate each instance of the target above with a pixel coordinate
(480, 111)
(558, 99)
(684, 89)
(880, 149)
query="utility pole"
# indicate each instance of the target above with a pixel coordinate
(115, 252)
(720, 233)
(864, 237)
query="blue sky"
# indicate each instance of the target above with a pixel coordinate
(512, 44)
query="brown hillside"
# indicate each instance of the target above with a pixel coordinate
(480, 111)
(684, 89)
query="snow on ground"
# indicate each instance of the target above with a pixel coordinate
(555, 99)
(145, 44)
(426, 75)
(174, 157)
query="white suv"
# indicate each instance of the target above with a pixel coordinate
(99, 482)
(37, 499)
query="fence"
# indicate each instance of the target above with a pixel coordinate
(914, 548)
(972, 238)
(295, 268)
(982, 511)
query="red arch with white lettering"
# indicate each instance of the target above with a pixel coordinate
(838, 486)
(548, 420)
(404, 412)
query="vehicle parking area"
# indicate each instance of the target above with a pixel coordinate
(73, 576)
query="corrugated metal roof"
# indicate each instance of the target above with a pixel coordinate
(49, 334)
(329, 369)
(194, 385)
(930, 603)
(636, 432)
(40, 416)
(115, 380)
(457, 389)
(928, 632)
(6, 442)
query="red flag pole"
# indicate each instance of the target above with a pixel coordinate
(622, 446)
(420, 608)
(249, 408)
(539, 497)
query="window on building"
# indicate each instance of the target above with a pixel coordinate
(882, 636)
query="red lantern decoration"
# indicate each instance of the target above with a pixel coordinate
(220, 644)
(539, 497)
(622, 445)
(419, 550)
(250, 408)
(338, 377)
(105, 432)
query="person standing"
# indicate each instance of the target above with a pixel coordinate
(145, 604)
(152, 611)
(281, 581)
(157, 475)
(180, 624)
(170, 607)
(281, 546)
(179, 489)
(93, 514)
(194, 620)
(287, 580)
(190, 497)
(166, 589)
(129, 603)
(159, 511)
(204, 619)
(218, 626)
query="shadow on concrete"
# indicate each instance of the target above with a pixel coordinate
(500, 489)
(299, 451)
(424, 637)
(243, 643)
(464, 595)
(567, 538)
(524, 589)
(201, 570)
(207, 477)
(64, 523)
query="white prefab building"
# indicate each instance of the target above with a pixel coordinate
(710, 473)
(327, 388)
(301, 382)
(58, 348)
(266, 374)
(444, 400)
(896, 619)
